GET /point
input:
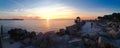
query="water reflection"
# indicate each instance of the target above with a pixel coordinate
(37, 25)
(47, 23)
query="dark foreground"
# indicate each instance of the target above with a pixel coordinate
(84, 34)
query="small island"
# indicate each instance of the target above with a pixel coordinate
(11, 19)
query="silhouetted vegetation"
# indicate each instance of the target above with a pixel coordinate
(112, 17)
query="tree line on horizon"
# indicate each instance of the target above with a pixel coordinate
(111, 17)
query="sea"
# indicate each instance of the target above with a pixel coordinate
(36, 25)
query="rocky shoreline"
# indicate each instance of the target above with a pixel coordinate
(71, 37)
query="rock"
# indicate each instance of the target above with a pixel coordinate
(66, 37)
(117, 43)
(30, 47)
(32, 35)
(77, 43)
(104, 34)
(72, 29)
(17, 34)
(106, 42)
(16, 45)
(85, 35)
(61, 32)
(27, 41)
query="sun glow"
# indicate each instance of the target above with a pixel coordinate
(56, 12)
(46, 13)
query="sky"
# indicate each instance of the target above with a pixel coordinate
(57, 9)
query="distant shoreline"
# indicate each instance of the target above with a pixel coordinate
(11, 19)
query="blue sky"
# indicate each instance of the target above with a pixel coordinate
(80, 7)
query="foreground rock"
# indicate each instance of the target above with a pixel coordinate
(75, 36)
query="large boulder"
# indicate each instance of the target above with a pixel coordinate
(17, 34)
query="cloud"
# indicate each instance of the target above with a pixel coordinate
(54, 11)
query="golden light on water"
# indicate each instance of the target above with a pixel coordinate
(47, 23)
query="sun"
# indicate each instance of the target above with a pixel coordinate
(46, 13)
(55, 12)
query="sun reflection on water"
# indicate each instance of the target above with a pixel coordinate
(47, 23)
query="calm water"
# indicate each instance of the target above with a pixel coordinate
(36, 25)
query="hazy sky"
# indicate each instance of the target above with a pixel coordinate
(57, 9)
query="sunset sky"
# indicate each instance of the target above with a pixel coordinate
(57, 9)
